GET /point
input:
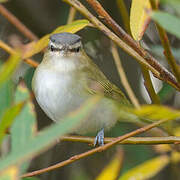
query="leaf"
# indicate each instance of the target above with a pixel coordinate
(166, 92)
(174, 3)
(139, 19)
(6, 96)
(169, 22)
(112, 170)
(11, 173)
(43, 42)
(24, 126)
(9, 67)
(157, 112)
(147, 169)
(8, 117)
(49, 136)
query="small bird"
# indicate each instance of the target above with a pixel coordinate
(67, 77)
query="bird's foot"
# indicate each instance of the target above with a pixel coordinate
(99, 140)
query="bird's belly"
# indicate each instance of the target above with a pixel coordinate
(60, 96)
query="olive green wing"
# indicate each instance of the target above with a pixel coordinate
(98, 83)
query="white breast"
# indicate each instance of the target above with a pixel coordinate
(61, 93)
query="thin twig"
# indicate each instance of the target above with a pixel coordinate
(131, 140)
(149, 87)
(95, 150)
(159, 71)
(17, 23)
(72, 14)
(122, 76)
(166, 45)
(8, 49)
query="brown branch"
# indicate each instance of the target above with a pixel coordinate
(17, 23)
(11, 51)
(164, 74)
(166, 45)
(131, 140)
(95, 150)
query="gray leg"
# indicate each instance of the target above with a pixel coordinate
(99, 140)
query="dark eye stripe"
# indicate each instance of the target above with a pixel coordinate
(52, 48)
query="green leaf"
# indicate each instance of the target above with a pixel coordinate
(8, 117)
(174, 3)
(49, 136)
(147, 169)
(169, 22)
(9, 67)
(43, 42)
(24, 127)
(157, 112)
(166, 92)
(6, 96)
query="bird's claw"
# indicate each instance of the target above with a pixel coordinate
(99, 138)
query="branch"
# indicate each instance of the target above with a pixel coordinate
(165, 43)
(145, 58)
(71, 16)
(95, 150)
(10, 51)
(131, 140)
(17, 23)
(122, 76)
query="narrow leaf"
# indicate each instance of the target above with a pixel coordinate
(9, 67)
(49, 136)
(147, 169)
(6, 96)
(111, 171)
(24, 127)
(8, 117)
(139, 18)
(43, 42)
(157, 112)
(169, 22)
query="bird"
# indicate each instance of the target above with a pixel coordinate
(67, 77)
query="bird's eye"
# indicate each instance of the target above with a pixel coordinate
(78, 49)
(52, 48)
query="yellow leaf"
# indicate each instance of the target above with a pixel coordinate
(139, 18)
(10, 174)
(35, 47)
(157, 112)
(111, 171)
(147, 169)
